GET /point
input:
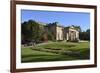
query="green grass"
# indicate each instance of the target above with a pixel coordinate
(56, 51)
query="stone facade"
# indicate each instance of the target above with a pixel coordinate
(72, 34)
(59, 33)
(63, 33)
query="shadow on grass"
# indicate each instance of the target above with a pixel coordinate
(47, 58)
(50, 56)
(37, 55)
(85, 54)
(43, 58)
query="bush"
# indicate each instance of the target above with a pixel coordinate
(76, 40)
(59, 40)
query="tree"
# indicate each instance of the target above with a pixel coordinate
(88, 34)
(50, 36)
(25, 32)
(31, 31)
(85, 35)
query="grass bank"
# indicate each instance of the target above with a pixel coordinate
(56, 51)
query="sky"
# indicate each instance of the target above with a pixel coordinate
(64, 18)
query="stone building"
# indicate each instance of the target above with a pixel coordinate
(63, 33)
(71, 34)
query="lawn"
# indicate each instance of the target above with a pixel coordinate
(56, 51)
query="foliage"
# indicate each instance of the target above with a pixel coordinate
(31, 30)
(85, 35)
(50, 36)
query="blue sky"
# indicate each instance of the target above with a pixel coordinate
(64, 18)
